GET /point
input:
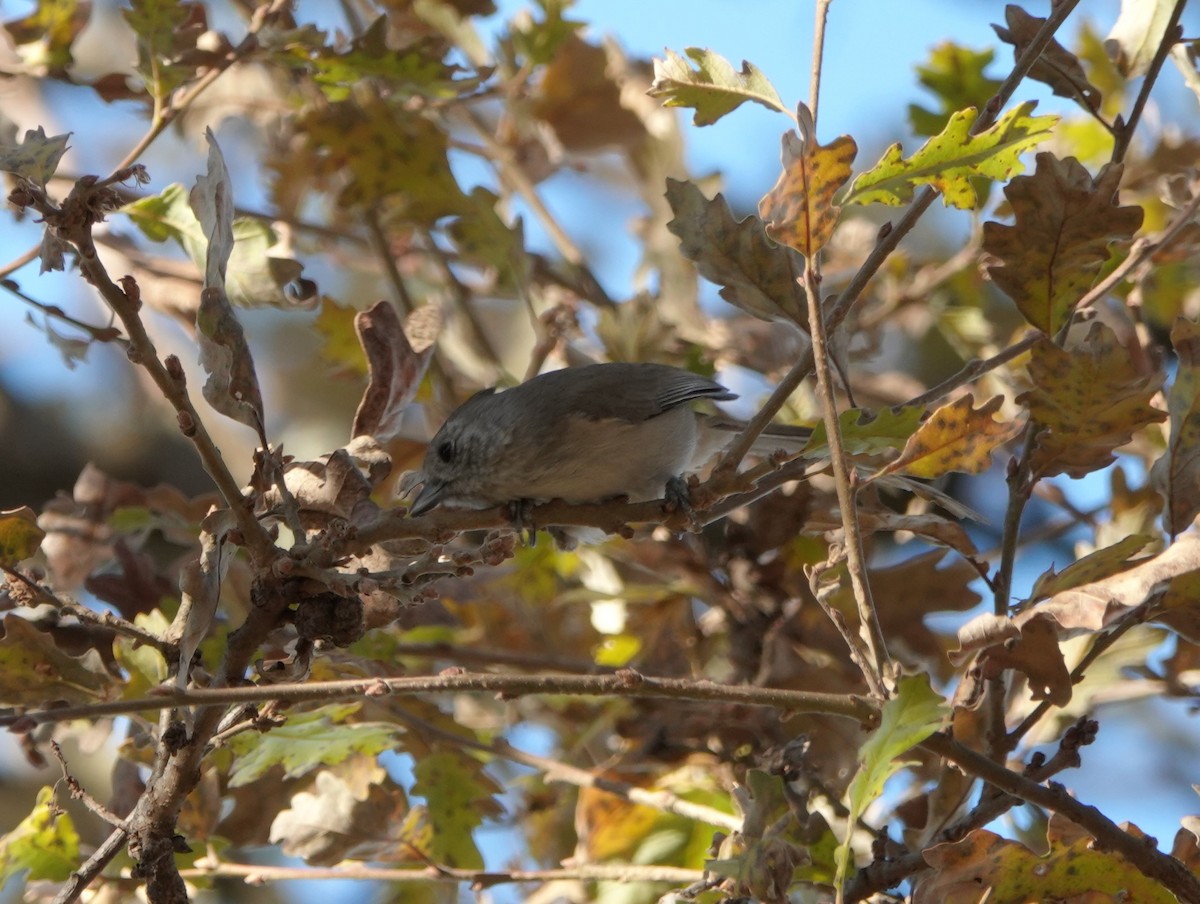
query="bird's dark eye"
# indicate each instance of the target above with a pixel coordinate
(445, 451)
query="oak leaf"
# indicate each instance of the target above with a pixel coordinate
(1087, 401)
(799, 211)
(956, 437)
(1065, 221)
(754, 274)
(950, 160)
(714, 88)
(1055, 66)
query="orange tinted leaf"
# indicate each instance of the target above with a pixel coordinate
(956, 437)
(799, 211)
(1177, 473)
(1088, 401)
(1065, 221)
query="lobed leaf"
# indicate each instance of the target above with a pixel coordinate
(799, 211)
(714, 88)
(44, 845)
(907, 719)
(320, 737)
(983, 865)
(1055, 66)
(956, 437)
(754, 274)
(955, 76)
(1095, 566)
(20, 535)
(1087, 401)
(950, 160)
(867, 433)
(1064, 223)
(36, 158)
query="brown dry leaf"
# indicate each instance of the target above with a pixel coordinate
(754, 274)
(1087, 401)
(956, 437)
(905, 593)
(1055, 66)
(1177, 473)
(799, 211)
(397, 357)
(984, 866)
(580, 99)
(1036, 654)
(1065, 221)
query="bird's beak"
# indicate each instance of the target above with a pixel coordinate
(428, 499)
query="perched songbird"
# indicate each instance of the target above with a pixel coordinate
(583, 434)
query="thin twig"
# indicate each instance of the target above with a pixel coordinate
(78, 793)
(96, 333)
(591, 872)
(845, 479)
(626, 683)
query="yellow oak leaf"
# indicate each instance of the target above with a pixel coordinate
(956, 437)
(799, 211)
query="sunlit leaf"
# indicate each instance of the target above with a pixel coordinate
(1087, 400)
(44, 845)
(36, 158)
(320, 737)
(458, 795)
(35, 671)
(714, 88)
(397, 356)
(799, 211)
(43, 38)
(956, 437)
(907, 719)
(951, 159)
(1137, 34)
(20, 535)
(256, 273)
(1065, 221)
(869, 433)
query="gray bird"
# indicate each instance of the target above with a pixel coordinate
(583, 434)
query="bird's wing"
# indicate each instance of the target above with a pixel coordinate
(635, 392)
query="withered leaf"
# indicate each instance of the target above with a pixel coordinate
(799, 211)
(1087, 401)
(754, 273)
(397, 356)
(1177, 473)
(956, 437)
(1056, 66)
(984, 865)
(1065, 221)
(232, 384)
